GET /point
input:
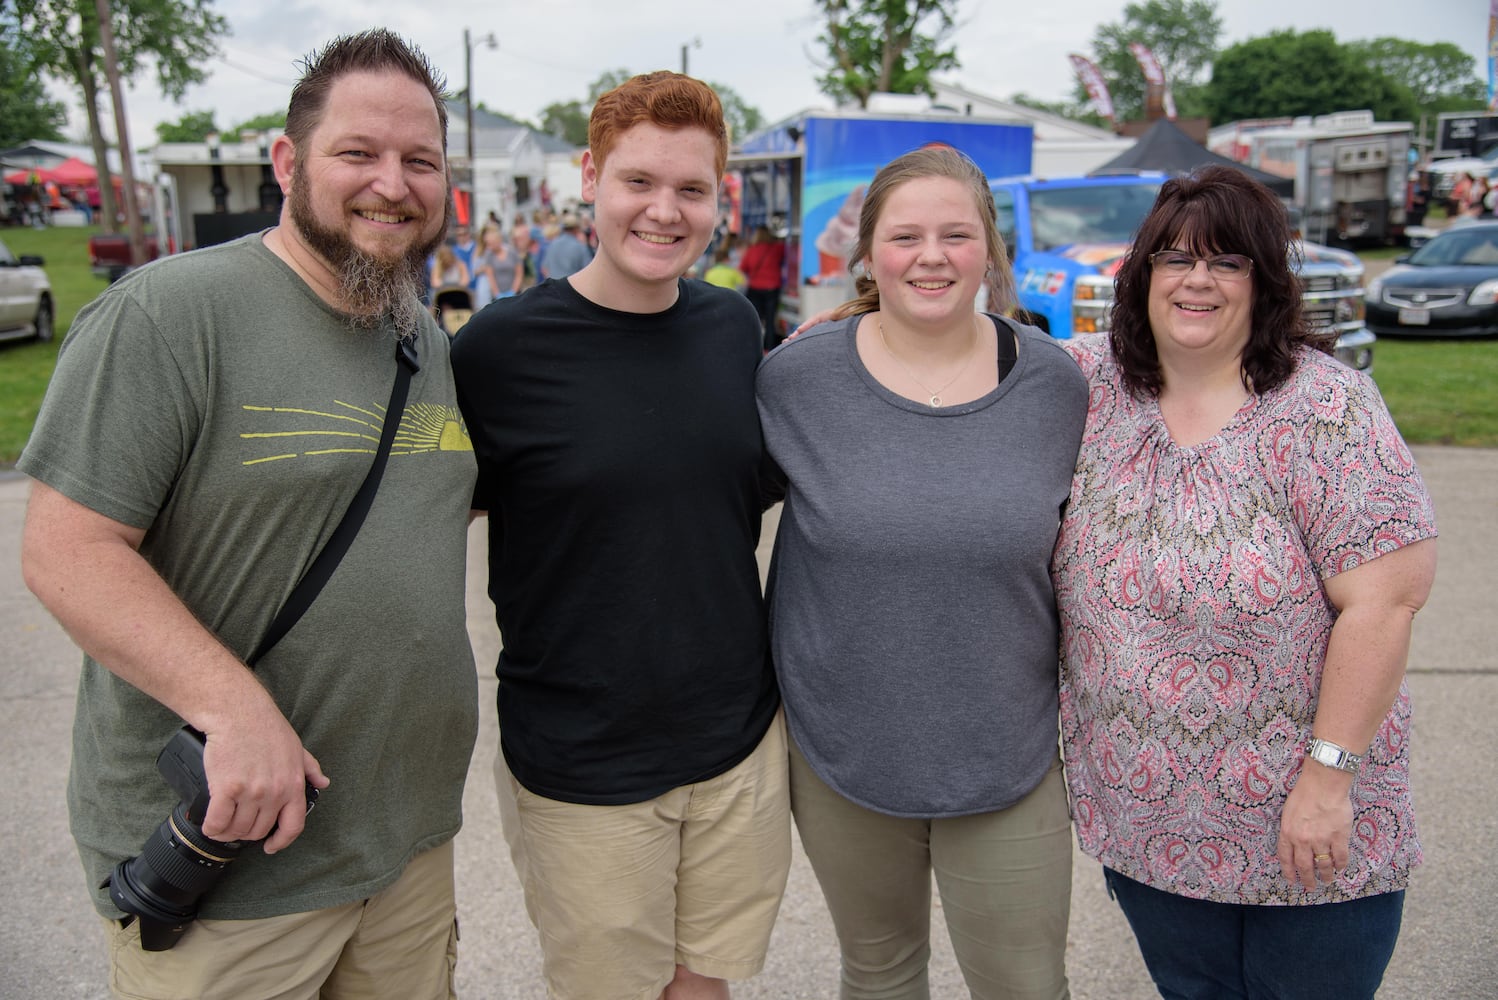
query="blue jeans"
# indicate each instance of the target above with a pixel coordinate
(1196, 949)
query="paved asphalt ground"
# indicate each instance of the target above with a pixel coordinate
(50, 943)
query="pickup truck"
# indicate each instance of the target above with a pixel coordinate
(1067, 236)
(109, 254)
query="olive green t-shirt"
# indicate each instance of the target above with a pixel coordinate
(214, 401)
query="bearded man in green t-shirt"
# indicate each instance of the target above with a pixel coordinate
(211, 417)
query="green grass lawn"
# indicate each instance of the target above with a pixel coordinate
(26, 366)
(1440, 391)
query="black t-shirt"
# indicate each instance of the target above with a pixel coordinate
(619, 459)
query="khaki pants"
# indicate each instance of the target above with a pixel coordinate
(623, 894)
(401, 942)
(1004, 878)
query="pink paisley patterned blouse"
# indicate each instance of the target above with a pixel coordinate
(1194, 627)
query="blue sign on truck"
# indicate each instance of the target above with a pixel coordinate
(805, 178)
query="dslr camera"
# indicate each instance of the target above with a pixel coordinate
(161, 886)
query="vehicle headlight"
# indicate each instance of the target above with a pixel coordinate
(1350, 310)
(1484, 294)
(1093, 288)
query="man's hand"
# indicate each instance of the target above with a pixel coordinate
(87, 570)
(257, 772)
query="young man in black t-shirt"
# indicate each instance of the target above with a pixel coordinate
(642, 777)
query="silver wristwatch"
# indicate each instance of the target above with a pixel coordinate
(1331, 755)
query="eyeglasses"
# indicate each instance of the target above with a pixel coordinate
(1176, 263)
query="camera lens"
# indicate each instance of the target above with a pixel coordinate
(177, 865)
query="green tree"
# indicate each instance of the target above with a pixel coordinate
(567, 121)
(892, 46)
(267, 121)
(742, 118)
(177, 37)
(606, 82)
(1182, 34)
(26, 110)
(1076, 110)
(194, 126)
(1286, 73)
(1440, 76)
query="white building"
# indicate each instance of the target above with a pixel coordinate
(511, 160)
(1063, 148)
(210, 192)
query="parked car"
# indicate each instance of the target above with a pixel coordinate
(1447, 288)
(26, 308)
(109, 254)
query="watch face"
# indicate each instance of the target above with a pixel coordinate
(1334, 756)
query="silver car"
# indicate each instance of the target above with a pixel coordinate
(26, 308)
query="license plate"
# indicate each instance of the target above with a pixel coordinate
(1414, 317)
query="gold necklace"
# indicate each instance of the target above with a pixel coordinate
(934, 393)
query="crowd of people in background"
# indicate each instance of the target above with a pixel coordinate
(33, 204)
(502, 261)
(499, 261)
(1472, 197)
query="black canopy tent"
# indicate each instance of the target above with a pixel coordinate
(1167, 149)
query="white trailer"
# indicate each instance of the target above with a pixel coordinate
(1351, 173)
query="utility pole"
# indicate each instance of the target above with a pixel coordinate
(492, 43)
(695, 43)
(127, 165)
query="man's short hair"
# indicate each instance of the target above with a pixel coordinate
(663, 98)
(374, 51)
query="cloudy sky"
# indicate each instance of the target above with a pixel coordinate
(550, 50)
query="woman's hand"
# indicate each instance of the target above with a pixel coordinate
(1370, 643)
(1316, 826)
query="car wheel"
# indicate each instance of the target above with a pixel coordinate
(43, 322)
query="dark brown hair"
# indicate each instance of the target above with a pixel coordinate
(375, 50)
(1216, 210)
(929, 161)
(663, 98)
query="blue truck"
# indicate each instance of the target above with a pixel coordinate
(1067, 236)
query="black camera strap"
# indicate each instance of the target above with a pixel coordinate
(321, 570)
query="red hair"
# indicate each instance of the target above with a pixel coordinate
(663, 98)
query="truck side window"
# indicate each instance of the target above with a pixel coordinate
(1004, 203)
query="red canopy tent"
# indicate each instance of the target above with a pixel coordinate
(32, 175)
(71, 172)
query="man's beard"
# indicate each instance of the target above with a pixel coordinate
(374, 289)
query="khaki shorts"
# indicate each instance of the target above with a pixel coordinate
(401, 942)
(621, 895)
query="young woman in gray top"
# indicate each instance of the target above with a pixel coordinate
(926, 452)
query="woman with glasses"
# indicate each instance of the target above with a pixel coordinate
(1246, 544)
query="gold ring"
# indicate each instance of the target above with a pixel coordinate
(1322, 857)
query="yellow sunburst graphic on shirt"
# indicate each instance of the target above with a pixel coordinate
(299, 432)
(430, 427)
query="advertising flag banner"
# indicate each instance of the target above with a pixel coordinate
(1097, 89)
(1155, 76)
(1493, 55)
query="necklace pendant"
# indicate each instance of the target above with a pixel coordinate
(935, 402)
